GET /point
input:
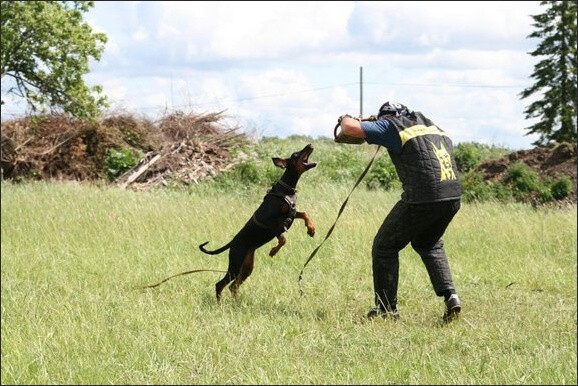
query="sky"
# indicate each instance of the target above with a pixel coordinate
(282, 68)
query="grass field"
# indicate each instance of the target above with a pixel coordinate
(74, 257)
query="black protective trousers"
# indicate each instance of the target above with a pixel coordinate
(422, 225)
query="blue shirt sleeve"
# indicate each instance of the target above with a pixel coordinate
(382, 132)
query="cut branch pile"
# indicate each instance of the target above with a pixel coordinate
(179, 149)
(185, 162)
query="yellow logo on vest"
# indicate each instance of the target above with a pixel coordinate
(447, 172)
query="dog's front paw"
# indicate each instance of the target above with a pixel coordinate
(311, 231)
(274, 251)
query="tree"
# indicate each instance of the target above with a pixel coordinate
(556, 74)
(45, 50)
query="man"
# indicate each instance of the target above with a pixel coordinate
(422, 154)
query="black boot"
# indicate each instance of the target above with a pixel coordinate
(378, 312)
(452, 309)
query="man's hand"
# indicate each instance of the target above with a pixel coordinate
(343, 116)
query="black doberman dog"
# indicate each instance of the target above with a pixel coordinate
(272, 219)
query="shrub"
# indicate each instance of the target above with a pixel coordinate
(522, 178)
(474, 188)
(247, 172)
(545, 194)
(561, 188)
(343, 164)
(244, 174)
(467, 156)
(522, 184)
(383, 175)
(116, 162)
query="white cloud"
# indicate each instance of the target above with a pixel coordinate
(284, 68)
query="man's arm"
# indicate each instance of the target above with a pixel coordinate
(351, 131)
(352, 128)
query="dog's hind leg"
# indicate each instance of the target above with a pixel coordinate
(236, 257)
(244, 272)
(221, 284)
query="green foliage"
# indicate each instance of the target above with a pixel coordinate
(554, 189)
(248, 172)
(556, 74)
(382, 175)
(117, 162)
(467, 156)
(561, 187)
(470, 155)
(521, 184)
(544, 194)
(522, 178)
(343, 164)
(253, 173)
(475, 188)
(336, 163)
(45, 51)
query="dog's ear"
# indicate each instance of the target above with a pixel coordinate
(280, 162)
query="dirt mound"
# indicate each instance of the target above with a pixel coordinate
(180, 147)
(547, 162)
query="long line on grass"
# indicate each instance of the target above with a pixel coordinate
(181, 274)
(337, 218)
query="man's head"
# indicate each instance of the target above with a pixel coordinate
(393, 109)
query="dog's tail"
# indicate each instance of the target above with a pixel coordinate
(216, 251)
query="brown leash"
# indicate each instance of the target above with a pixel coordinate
(181, 274)
(337, 218)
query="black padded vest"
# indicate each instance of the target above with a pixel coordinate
(426, 165)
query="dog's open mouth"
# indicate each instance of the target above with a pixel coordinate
(306, 152)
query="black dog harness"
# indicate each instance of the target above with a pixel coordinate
(269, 216)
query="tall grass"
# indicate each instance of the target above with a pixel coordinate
(74, 257)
